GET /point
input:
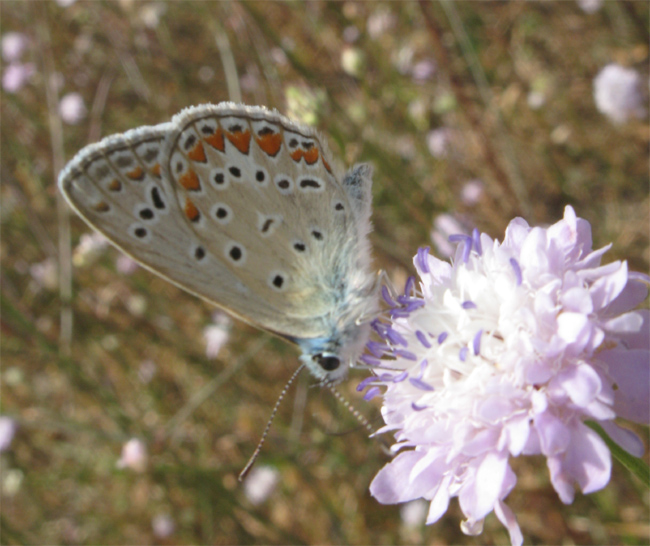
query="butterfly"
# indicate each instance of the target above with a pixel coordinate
(246, 209)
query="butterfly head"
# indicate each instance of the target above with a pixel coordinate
(329, 359)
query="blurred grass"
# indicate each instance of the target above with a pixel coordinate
(139, 63)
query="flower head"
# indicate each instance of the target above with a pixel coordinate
(506, 352)
(617, 92)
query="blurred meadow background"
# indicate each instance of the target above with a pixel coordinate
(133, 406)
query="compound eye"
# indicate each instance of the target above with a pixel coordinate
(328, 363)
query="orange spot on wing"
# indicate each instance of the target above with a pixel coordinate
(115, 185)
(190, 181)
(136, 174)
(311, 155)
(101, 207)
(327, 165)
(270, 144)
(216, 140)
(240, 140)
(191, 211)
(197, 153)
(296, 156)
(155, 170)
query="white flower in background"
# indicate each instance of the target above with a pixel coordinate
(380, 22)
(438, 141)
(507, 352)
(260, 483)
(216, 334)
(13, 46)
(45, 274)
(590, 6)
(7, 431)
(163, 525)
(126, 265)
(617, 92)
(147, 371)
(16, 75)
(414, 513)
(90, 247)
(72, 108)
(423, 70)
(472, 192)
(134, 455)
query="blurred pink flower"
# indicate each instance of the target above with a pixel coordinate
(13, 46)
(126, 265)
(590, 6)
(507, 351)
(16, 75)
(438, 142)
(45, 274)
(90, 247)
(72, 108)
(472, 192)
(7, 431)
(216, 335)
(163, 525)
(147, 371)
(134, 455)
(260, 483)
(423, 70)
(617, 92)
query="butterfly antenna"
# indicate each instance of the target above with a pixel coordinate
(364, 422)
(256, 453)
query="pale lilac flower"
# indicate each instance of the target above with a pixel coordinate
(617, 92)
(147, 371)
(45, 274)
(7, 431)
(216, 334)
(163, 525)
(535, 100)
(260, 483)
(72, 108)
(423, 70)
(134, 455)
(13, 46)
(90, 247)
(472, 192)
(590, 6)
(507, 351)
(126, 265)
(351, 34)
(438, 142)
(380, 22)
(16, 75)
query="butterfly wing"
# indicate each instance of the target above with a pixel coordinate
(235, 204)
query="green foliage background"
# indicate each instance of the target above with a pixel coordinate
(75, 390)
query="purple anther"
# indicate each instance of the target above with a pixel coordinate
(476, 343)
(515, 265)
(408, 355)
(372, 392)
(422, 339)
(462, 354)
(399, 313)
(365, 383)
(387, 297)
(413, 305)
(419, 384)
(377, 349)
(468, 305)
(415, 407)
(395, 337)
(409, 286)
(476, 241)
(422, 259)
(400, 377)
(370, 360)
(442, 337)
